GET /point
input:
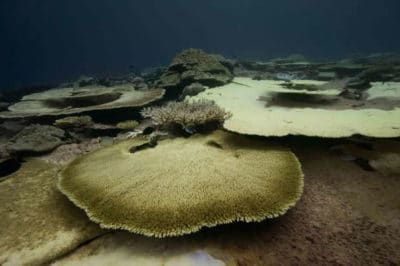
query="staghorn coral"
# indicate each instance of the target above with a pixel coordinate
(186, 114)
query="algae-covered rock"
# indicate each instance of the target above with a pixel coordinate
(84, 81)
(192, 90)
(327, 75)
(37, 139)
(67, 101)
(74, 122)
(127, 125)
(343, 69)
(382, 156)
(194, 65)
(290, 59)
(38, 223)
(184, 184)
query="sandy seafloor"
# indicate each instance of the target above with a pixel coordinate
(346, 216)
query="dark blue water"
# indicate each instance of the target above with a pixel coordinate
(48, 41)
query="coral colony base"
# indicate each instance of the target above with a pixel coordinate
(104, 171)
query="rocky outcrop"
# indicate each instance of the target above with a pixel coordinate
(36, 139)
(74, 122)
(194, 65)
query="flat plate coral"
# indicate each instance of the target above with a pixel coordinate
(183, 184)
(38, 224)
(66, 101)
(256, 110)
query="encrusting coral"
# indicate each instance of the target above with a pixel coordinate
(184, 184)
(186, 114)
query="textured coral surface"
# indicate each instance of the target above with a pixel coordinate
(347, 216)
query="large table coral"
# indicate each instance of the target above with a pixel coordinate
(183, 184)
(37, 222)
(66, 101)
(267, 108)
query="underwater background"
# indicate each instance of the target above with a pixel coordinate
(47, 42)
(199, 133)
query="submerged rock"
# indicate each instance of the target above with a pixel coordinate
(192, 90)
(37, 139)
(3, 106)
(127, 125)
(74, 122)
(65, 154)
(9, 128)
(194, 65)
(228, 63)
(343, 69)
(327, 75)
(291, 59)
(84, 81)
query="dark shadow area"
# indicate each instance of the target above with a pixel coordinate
(82, 101)
(7, 167)
(301, 100)
(328, 102)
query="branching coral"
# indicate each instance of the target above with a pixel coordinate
(186, 114)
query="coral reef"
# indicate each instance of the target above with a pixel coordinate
(192, 90)
(65, 154)
(67, 101)
(186, 114)
(184, 184)
(37, 222)
(37, 139)
(74, 122)
(194, 65)
(382, 156)
(377, 116)
(128, 125)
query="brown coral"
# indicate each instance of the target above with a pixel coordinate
(186, 114)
